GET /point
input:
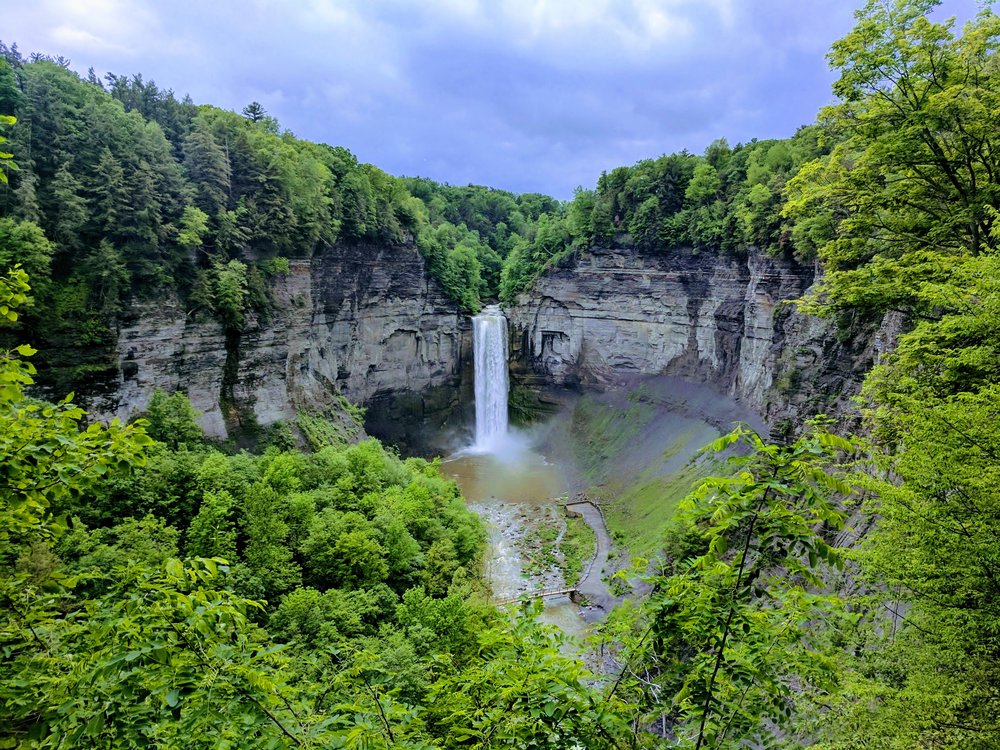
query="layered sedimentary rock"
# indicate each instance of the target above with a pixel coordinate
(368, 324)
(607, 314)
(362, 322)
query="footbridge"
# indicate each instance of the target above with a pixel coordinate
(524, 596)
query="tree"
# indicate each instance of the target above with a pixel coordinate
(440, 567)
(108, 280)
(359, 212)
(165, 656)
(193, 228)
(172, 420)
(903, 214)
(6, 159)
(11, 95)
(26, 198)
(109, 194)
(924, 671)
(704, 184)
(70, 215)
(24, 244)
(45, 457)
(732, 635)
(213, 531)
(141, 228)
(343, 551)
(231, 292)
(208, 167)
(912, 182)
(580, 216)
(267, 556)
(254, 112)
(525, 693)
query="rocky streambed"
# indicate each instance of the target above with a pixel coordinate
(536, 544)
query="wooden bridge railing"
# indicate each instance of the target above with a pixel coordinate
(570, 592)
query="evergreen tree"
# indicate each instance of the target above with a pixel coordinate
(108, 196)
(25, 203)
(139, 227)
(254, 112)
(70, 216)
(208, 167)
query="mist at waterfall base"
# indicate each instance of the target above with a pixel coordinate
(519, 483)
(500, 465)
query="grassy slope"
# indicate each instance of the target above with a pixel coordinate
(636, 452)
(578, 546)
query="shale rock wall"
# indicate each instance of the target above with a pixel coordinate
(367, 323)
(362, 321)
(608, 314)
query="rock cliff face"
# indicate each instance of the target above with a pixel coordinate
(606, 315)
(362, 321)
(367, 323)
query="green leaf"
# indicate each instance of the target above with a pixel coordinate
(174, 568)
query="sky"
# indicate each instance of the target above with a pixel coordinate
(524, 95)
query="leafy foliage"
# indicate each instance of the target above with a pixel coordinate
(6, 159)
(907, 204)
(110, 640)
(174, 196)
(46, 457)
(171, 420)
(731, 634)
(330, 599)
(931, 561)
(123, 191)
(912, 180)
(727, 200)
(526, 694)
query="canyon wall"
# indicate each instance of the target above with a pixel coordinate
(362, 321)
(606, 315)
(368, 324)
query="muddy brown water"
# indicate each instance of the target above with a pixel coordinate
(516, 492)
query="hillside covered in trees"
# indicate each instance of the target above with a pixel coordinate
(157, 590)
(122, 191)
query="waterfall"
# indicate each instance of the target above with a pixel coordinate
(489, 348)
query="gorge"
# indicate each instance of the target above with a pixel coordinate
(361, 321)
(369, 324)
(740, 406)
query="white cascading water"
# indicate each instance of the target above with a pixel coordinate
(489, 349)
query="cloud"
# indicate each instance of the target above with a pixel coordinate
(95, 27)
(536, 95)
(628, 28)
(72, 39)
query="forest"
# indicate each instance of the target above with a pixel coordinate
(835, 591)
(122, 190)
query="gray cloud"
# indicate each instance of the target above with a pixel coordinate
(527, 95)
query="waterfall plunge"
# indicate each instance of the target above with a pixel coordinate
(489, 348)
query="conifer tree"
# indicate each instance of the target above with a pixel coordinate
(208, 167)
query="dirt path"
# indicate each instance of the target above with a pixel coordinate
(592, 586)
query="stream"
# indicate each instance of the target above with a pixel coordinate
(521, 497)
